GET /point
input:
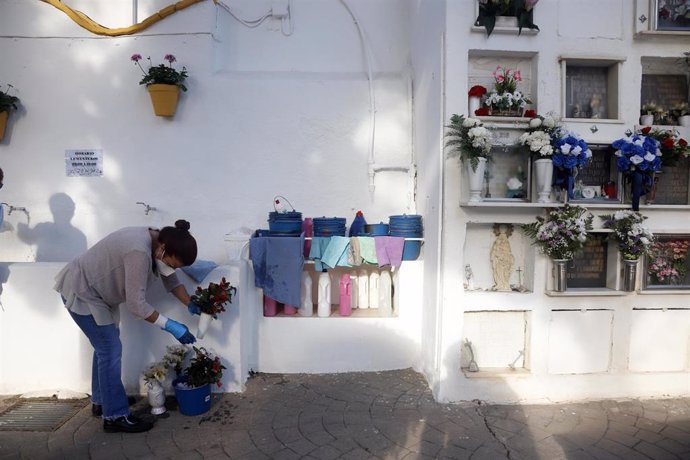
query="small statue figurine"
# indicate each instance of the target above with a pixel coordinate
(502, 258)
(595, 108)
(577, 111)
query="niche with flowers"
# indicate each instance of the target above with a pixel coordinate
(505, 82)
(665, 91)
(668, 264)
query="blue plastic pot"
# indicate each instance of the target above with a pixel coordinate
(192, 401)
(411, 250)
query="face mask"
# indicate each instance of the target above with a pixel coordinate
(163, 268)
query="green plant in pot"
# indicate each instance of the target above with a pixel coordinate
(8, 102)
(163, 82)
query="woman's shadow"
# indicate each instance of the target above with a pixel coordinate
(57, 241)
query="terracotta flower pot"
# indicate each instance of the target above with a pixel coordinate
(164, 99)
(3, 123)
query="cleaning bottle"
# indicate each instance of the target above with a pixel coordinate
(358, 223)
(362, 289)
(354, 298)
(306, 304)
(345, 307)
(385, 294)
(374, 290)
(324, 307)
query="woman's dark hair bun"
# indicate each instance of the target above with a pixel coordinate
(182, 224)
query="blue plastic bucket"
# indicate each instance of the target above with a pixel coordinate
(193, 401)
(411, 250)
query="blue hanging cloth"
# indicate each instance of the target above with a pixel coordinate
(564, 178)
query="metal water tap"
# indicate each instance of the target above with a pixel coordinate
(147, 208)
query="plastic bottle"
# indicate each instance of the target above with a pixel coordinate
(306, 304)
(270, 306)
(345, 307)
(362, 289)
(374, 290)
(385, 294)
(358, 223)
(354, 298)
(324, 307)
(308, 229)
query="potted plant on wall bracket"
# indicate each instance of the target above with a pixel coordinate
(8, 103)
(163, 83)
(500, 12)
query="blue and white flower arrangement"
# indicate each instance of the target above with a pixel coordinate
(571, 152)
(638, 157)
(637, 153)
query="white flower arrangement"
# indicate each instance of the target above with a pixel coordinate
(468, 139)
(506, 100)
(540, 135)
(174, 357)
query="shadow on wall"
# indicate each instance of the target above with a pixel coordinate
(57, 241)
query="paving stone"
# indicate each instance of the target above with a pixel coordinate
(653, 451)
(677, 435)
(622, 438)
(673, 446)
(620, 450)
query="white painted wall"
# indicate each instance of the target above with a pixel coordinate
(577, 346)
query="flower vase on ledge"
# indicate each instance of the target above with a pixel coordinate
(629, 274)
(476, 179)
(560, 275)
(475, 103)
(543, 172)
(647, 120)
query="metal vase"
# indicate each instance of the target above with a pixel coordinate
(560, 275)
(629, 275)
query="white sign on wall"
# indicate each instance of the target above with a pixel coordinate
(84, 162)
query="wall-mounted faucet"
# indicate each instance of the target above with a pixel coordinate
(147, 208)
(15, 208)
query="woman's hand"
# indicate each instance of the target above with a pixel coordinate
(179, 331)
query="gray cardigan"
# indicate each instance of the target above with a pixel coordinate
(117, 269)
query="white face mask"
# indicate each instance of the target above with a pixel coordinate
(163, 268)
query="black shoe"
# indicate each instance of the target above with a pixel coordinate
(97, 409)
(126, 424)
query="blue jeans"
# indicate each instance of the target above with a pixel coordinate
(106, 369)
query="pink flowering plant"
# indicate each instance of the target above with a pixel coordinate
(161, 73)
(668, 261)
(505, 94)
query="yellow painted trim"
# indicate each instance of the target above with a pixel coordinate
(92, 26)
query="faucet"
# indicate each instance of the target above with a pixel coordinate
(147, 208)
(14, 208)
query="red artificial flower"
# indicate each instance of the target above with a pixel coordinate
(682, 142)
(477, 90)
(646, 130)
(530, 113)
(668, 143)
(482, 112)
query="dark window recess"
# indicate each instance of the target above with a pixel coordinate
(588, 267)
(586, 92)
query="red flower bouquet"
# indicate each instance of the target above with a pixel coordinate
(212, 300)
(482, 112)
(530, 113)
(477, 91)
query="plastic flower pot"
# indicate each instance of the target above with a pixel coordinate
(192, 401)
(164, 99)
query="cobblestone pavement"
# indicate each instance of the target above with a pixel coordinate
(373, 415)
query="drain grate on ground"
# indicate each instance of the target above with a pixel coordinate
(39, 414)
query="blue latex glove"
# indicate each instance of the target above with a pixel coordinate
(179, 331)
(194, 308)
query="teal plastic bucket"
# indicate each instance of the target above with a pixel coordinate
(193, 401)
